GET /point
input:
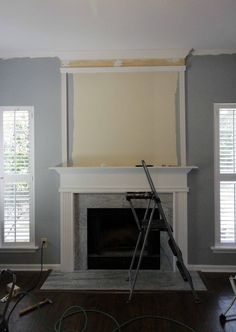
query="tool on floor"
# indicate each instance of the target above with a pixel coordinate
(149, 223)
(35, 306)
(3, 317)
(16, 290)
(224, 317)
(4, 298)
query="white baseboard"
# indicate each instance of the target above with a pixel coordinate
(212, 268)
(57, 267)
(30, 267)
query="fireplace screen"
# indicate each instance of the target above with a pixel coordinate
(112, 235)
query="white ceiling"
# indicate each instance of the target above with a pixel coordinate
(77, 28)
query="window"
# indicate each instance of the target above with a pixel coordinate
(225, 174)
(16, 173)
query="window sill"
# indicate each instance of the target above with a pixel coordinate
(16, 249)
(224, 249)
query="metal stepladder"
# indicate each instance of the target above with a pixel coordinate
(224, 317)
(149, 223)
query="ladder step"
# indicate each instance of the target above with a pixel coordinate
(139, 195)
(157, 225)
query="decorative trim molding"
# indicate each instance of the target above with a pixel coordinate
(64, 120)
(57, 267)
(212, 268)
(124, 63)
(125, 54)
(100, 54)
(182, 118)
(122, 69)
(8, 249)
(109, 190)
(223, 249)
(121, 179)
(30, 267)
(214, 52)
(113, 54)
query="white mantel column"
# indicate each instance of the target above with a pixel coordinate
(67, 231)
(180, 222)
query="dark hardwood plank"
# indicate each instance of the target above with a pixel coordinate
(178, 306)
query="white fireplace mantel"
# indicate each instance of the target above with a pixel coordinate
(120, 180)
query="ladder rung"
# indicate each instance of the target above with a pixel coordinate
(139, 195)
(157, 224)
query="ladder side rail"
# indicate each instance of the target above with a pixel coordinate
(134, 256)
(138, 223)
(172, 243)
(140, 228)
(147, 210)
(146, 232)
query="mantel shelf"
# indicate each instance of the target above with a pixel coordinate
(62, 168)
(121, 179)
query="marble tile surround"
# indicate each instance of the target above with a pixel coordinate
(103, 200)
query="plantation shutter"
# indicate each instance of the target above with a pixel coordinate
(227, 212)
(17, 170)
(227, 174)
(227, 140)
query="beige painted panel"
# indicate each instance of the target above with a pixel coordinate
(121, 118)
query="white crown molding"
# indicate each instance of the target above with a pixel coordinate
(5, 55)
(113, 54)
(214, 52)
(125, 54)
(99, 54)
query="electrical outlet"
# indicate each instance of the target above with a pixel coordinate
(44, 242)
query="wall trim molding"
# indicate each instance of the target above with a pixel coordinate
(214, 52)
(98, 54)
(212, 268)
(30, 267)
(122, 63)
(117, 54)
(57, 267)
(121, 69)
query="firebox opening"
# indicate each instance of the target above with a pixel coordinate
(112, 235)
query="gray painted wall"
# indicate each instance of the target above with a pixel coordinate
(209, 80)
(36, 82)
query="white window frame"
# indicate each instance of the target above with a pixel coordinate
(28, 177)
(219, 246)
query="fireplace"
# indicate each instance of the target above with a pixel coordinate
(79, 181)
(115, 210)
(111, 237)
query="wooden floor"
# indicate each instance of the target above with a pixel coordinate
(177, 306)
